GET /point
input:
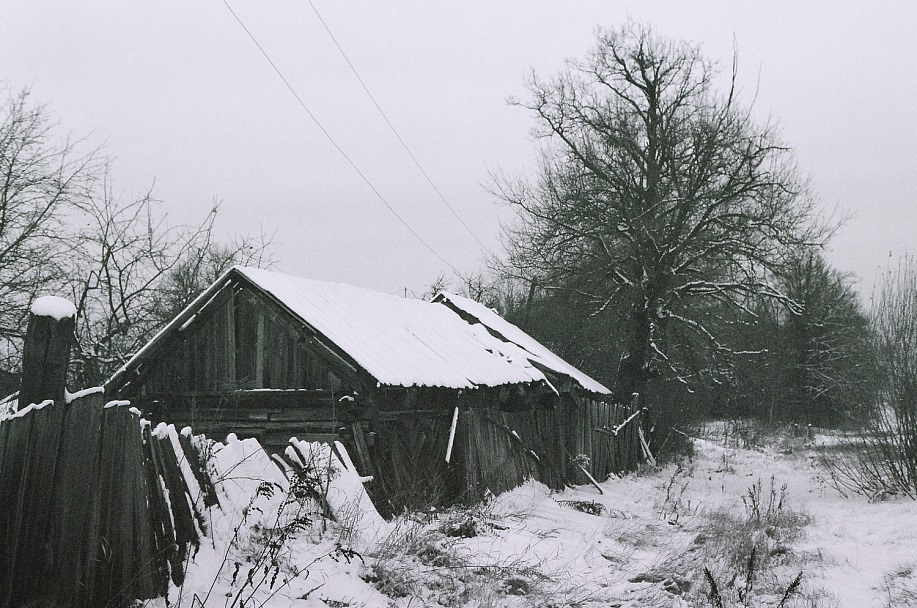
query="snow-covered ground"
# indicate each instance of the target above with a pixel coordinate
(644, 541)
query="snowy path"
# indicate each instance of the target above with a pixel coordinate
(845, 551)
(854, 543)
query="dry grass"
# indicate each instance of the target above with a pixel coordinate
(742, 556)
(899, 587)
(422, 559)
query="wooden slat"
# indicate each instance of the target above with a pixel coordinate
(259, 350)
(363, 457)
(229, 343)
(196, 465)
(83, 516)
(75, 497)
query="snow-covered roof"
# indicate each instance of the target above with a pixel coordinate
(534, 350)
(404, 342)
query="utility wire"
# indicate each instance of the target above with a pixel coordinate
(395, 131)
(334, 143)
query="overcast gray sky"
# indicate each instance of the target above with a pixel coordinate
(178, 93)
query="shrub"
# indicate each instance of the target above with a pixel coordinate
(584, 506)
(757, 539)
(884, 459)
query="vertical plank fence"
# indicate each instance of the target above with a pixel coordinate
(94, 508)
(500, 450)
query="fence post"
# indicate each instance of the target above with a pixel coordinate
(46, 351)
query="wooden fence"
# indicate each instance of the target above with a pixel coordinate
(502, 449)
(95, 509)
(496, 451)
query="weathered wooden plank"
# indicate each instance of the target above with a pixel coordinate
(182, 513)
(301, 414)
(45, 356)
(162, 505)
(15, 433)
(396, 414)
(27, 538)
(281, 438)
(144, 548)
(198, 469)
(161, 523)
(130, 577)
(259, 350)
(79, 495)
(363, 457)
(229, 344)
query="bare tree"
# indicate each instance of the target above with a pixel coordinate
(826, 343)
(205, 261)
(133, 270)
(656, 199)
(884, 461)
(65, 230)
(42, 179)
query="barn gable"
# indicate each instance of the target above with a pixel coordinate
(236, 338)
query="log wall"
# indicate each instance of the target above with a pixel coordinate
(400, 436)
(271, 417)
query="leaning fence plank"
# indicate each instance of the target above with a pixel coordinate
(157, 506)
(75, 491)
(452, 434)
(183, 517)
(617, 429)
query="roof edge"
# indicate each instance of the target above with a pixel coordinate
(446, 298)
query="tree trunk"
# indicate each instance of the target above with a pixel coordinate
(45, 357)
(633, 374)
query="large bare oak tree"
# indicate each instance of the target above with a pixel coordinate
(656, 198)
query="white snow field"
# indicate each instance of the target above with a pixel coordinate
(644, 541)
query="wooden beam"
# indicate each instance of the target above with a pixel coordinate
(230, 346)
(259, 352)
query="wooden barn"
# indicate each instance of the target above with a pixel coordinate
(405, 385)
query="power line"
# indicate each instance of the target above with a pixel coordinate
(334, 143)
(395, 131)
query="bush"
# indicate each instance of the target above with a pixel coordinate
(883, 459)
(757, 540)
(584, 506)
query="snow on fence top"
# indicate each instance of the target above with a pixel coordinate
(53, 306)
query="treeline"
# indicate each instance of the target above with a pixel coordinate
(67, 229)
(808, 358)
